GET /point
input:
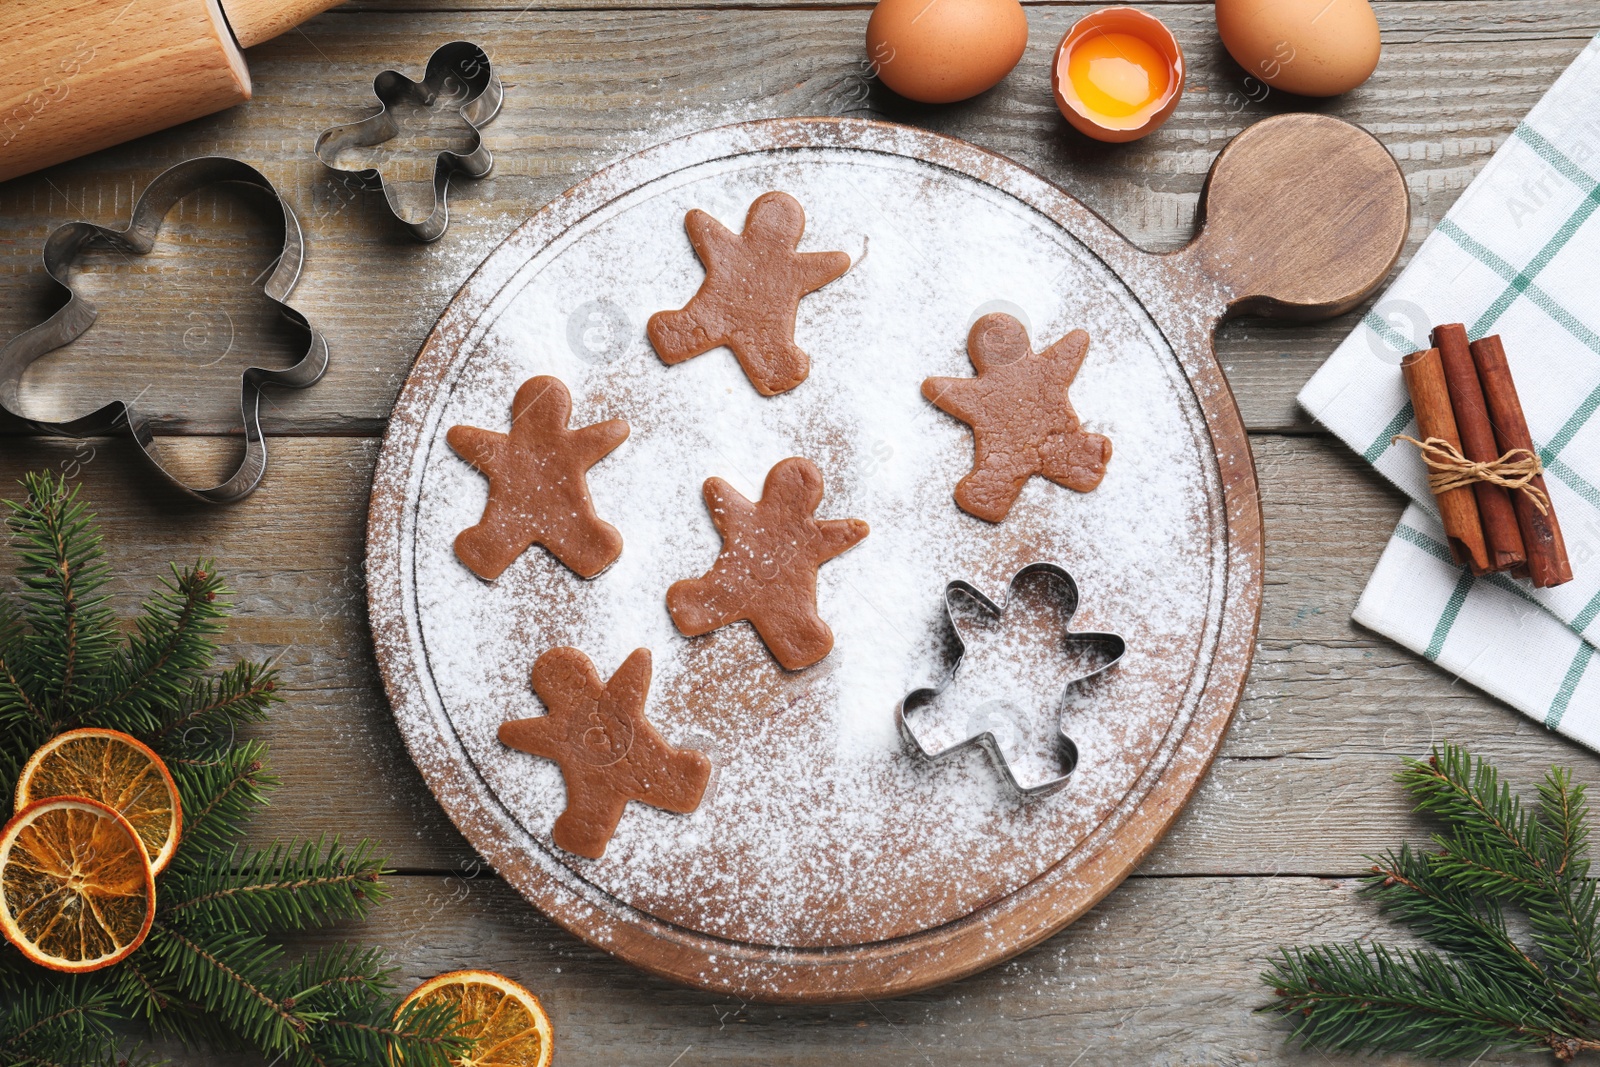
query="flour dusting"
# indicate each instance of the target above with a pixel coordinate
(819, 828)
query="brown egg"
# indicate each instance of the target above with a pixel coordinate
(1311, 47)
(939, 51)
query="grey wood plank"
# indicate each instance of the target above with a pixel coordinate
(1396, 18)
(1162, 972)
(587, 87)
(1302, 785)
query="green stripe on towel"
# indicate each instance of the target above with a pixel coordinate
(1452, 609)
(1542, 300)
(1386, 435)
(1553, 156)
(1388, 334)
(1437, 549)
(1570, 428)
(1581, 621)
(1569, 685)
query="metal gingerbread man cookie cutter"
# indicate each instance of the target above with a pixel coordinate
(1113, 644)
(75, 317)
(456, 71)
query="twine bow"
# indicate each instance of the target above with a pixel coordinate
(1448, 469)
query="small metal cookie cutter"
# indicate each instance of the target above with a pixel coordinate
(458, 71)
(79, 313)
(1115, 646)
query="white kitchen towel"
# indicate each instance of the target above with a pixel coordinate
(1518, 255)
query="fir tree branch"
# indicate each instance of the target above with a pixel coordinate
(172, 641)
(58, 1020)
(30, 1060)
(234, 978)
(49, 1021)
(288, 885)
(218, 798)
(339, 978)
(1566, 928)
(207, 973)
(17, 706)
(423, 1042)
(242, 694)
(308, 1057)
(1485, 990)
(1565, 814)
(1562, 910)
(24, 723)
(374, 1032)
(1465, 867)
(72, 636)
(143, 990)
(1410, 887)
(1469, 795)
(1351, 997)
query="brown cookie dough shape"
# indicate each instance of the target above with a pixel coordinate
(1022, 421)
(751, 294)
(538, 485)
(766, 573)
(608, 751)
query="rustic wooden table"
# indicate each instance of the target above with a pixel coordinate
(1164, 970)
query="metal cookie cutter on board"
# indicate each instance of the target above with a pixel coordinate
(1115, 646)
(79, 313)
(456, 71)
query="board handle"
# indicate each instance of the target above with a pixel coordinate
(1301, 217)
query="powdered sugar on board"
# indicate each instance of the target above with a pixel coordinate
(818, 828)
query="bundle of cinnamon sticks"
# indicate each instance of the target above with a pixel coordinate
(1484, 471)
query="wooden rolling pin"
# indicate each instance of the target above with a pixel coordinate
(81, 75)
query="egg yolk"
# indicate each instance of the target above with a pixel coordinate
(1117, 74)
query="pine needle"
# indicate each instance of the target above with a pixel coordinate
(1477, 989)
(287, 886)
(212, 971)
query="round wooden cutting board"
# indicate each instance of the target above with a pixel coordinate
(826, 860)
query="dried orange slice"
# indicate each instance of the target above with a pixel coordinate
(76, 889)
(507, 1022)
(117, 770)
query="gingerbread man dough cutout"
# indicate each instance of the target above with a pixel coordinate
(608, 751)
(766, 573)
(538, 485)
(1022, 422)
(754, 282)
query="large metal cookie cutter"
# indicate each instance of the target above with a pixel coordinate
(459, 76)
(1113, 646)
(79, 313)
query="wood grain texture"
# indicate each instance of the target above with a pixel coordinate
(83, 74)
(1328, 708)
(1185, 294)
(1161, 971)
(580, 92)
(255, 21)
(1162, 974)
(1289, 236)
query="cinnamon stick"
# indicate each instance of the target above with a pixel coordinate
(1458, 508)
(1500, 530)
(1541, 534)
